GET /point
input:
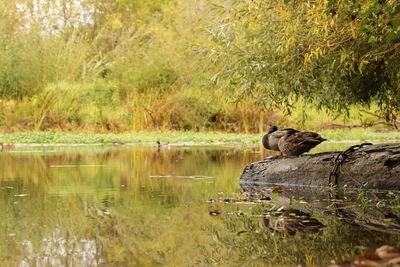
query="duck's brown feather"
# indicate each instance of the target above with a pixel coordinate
(270, 141)
(298, 143)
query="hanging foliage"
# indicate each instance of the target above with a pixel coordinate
(332, 54)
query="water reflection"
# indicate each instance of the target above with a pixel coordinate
(369, 209)
(55, 250)
(291, 221)
(135, 206)
(94, 205)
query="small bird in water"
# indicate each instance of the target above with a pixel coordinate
(162, 146)
(6, 147)
(271, 139)
(118, 143)
(297, 143)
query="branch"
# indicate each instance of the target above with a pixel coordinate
(365, 125)
(393, 123)
(373, 114)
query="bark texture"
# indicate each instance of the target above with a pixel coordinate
(370, 167)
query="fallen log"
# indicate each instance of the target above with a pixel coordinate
(369, 167)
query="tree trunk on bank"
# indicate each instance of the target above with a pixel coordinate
(370, 167)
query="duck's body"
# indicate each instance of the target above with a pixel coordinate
(271, 139)
(6, 146)
(118, 143)
(297, 143)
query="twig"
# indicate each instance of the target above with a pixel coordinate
(365, 125)
(394, 123)
(373, 114)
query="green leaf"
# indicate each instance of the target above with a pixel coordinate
(372, 39)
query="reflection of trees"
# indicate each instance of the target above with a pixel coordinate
(127, 169)
(120, 214)
(115, 230)
(55, 250)
(137, 162)
(149, 221)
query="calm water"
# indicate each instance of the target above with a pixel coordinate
(181, 206)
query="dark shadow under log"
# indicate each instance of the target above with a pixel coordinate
(370, 167)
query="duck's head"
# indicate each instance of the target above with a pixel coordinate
(272, 129)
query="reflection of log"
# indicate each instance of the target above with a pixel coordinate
(383, 217)
(375, 166)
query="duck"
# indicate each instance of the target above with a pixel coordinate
(162, 146)
(271, 139)
(297, 143)
(118, 143)
(6, 147)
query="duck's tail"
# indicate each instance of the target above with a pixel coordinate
(311, 138)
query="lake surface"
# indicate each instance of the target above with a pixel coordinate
(179, 206)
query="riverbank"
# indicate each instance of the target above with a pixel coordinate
(354, 135)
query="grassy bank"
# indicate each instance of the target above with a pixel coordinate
(182, 137)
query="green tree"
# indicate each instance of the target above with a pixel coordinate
(333, 54)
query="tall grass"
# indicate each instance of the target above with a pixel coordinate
(100, 106)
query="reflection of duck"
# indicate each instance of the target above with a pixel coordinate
(292, 222)
(271, 139)
(6, 147)
(297, 143)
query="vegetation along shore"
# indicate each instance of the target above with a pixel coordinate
(188, 137)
